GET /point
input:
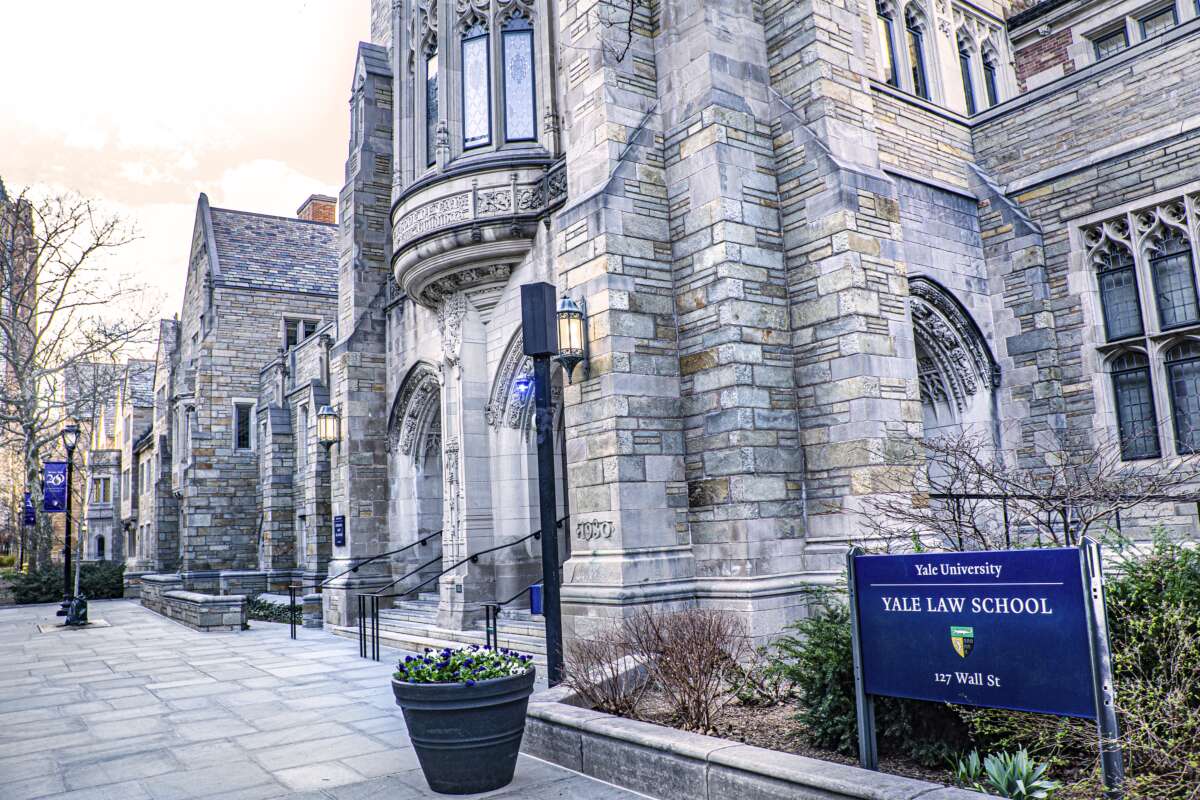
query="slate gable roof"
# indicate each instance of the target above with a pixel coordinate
(140, 379)
(258, 251)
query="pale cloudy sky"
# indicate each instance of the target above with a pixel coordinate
(143, 104)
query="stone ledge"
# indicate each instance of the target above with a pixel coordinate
(674, 765)
(163, 594)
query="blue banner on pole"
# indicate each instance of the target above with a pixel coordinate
(54, 486)
(1002, 629)
(30, 514)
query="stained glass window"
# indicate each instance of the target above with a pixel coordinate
(964, 65)
(431, 109)
(1119, 294)
(1183, 378)
(519, 119)
(1136, 420)
(476, 88)
(1174, 283)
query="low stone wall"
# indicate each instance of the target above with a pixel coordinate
(164, 595)
(673, 765)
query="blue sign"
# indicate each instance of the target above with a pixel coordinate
(54, 486)
(30, 513)
(1003, 629)
(339, 530)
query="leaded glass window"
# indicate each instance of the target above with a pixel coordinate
(1183, 380)
(1119, 293)
(517, 41)
(1136, 420)
(887, 45)
(964, 65)
(1174, 281)
(476, 88)
(1160, 21)
(1111, 43)
(431, 108)
(916, 56)
(989, 80)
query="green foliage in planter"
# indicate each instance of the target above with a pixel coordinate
(817, 659)
(8, 561)
(464, 665)
(265, 611)
(1012, 775)
(98, 580)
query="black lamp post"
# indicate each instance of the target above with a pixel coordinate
(70, 438)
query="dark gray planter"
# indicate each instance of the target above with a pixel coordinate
(467, 737)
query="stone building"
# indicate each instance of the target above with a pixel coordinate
(804, 234)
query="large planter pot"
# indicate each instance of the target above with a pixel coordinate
(467, 737)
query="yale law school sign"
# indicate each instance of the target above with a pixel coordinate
(1017, 629)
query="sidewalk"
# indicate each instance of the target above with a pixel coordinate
(150, 710)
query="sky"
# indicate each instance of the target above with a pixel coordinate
(143, 104)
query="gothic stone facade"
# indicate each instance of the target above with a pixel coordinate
(804, 233)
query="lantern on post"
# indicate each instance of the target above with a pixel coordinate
(572, 336)
(329, 426)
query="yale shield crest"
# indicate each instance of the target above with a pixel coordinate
(962, 639)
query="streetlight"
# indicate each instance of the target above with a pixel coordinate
(329, 426)
(70, 438)
(572, 336)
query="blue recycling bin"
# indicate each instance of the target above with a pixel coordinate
(535, 599)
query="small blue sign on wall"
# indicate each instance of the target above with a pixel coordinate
(30, 516)
(339, 531)
(1003, 629)
(54, 486)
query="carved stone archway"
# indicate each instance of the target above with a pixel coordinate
(955, 366)
(416, 414)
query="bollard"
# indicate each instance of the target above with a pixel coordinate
(313, 613)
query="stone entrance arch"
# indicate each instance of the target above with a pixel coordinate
(957, 373)
(415, 472)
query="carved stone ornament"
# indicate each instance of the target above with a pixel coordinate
(950, 338)
(450, 319)
(416, 410)
(453, 489)
(511, 399)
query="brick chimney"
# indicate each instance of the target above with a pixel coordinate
(318, 208)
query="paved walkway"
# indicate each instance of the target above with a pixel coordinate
(150, 710)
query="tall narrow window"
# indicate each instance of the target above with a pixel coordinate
(476, 88)
(887, 44)
(1119, 293)
(1183, 380)
(1136, 421)
(1174, 281)
(989, 79)
(916, 55)
(431, 108)
(964, 65)
(517, 41)
(302, 437)
(242, 427)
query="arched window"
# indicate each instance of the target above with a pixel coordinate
(1118, 292)
(431, 106)
(885, 26)
(914, 26)
(1183, 380)
(1174, 280)
(100, 547)
(964, 65)
(476, 85)
(1137, 424)
(519, 93)
(989, 77)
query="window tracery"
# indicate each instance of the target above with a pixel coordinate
(915, 27)
(1145, 264)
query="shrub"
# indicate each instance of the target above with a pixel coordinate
(1012, 775)
(98, 580)
(465, 665)
(760, 681)
(688, 655)
(265, 611)
(818, 658)
(602, 670)
(8, 561)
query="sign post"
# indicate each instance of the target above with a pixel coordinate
(1016, 629)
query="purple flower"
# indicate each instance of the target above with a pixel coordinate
(470, 682)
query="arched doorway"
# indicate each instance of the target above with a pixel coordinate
(415, 468)
(99, 548)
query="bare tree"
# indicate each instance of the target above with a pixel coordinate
(66, 320)
(1053, 490)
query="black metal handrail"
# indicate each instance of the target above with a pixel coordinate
(473, 558)
(366, 561)
(491, 615)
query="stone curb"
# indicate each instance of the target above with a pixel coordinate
(669, 764)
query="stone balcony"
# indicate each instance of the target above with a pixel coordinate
(466, 228)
